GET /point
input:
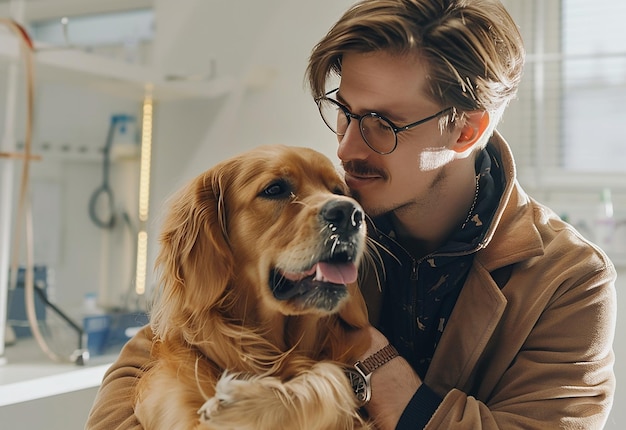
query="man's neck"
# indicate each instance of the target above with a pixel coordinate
(422, 229)
(417, 244)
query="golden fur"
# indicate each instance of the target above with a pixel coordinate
(231, 352)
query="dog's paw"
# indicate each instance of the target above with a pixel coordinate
(319, 398)
(209, 408)
(224, 395)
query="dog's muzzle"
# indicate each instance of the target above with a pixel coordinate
(323, 284)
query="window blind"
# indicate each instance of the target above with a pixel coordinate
(571, 106)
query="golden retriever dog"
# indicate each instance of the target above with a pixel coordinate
(258, 265)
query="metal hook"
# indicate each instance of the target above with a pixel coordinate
(65, 21)
(64, 24)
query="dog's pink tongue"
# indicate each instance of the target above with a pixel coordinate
(336, 273)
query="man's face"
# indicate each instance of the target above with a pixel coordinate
(396, 87)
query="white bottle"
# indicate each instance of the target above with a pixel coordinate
(604, 224)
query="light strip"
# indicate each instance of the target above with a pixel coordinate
(142, 258)
(144, 194)
(146, 149)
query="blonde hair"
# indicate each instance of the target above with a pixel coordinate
(473, 48)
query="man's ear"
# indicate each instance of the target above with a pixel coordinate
(476, 123)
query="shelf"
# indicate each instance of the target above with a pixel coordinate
(67, 152)
(132, 80)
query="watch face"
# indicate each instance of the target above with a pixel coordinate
(359, 385)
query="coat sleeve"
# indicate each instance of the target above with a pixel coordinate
(562, 374)
(113, 408)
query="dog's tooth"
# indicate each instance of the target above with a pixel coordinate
(319, 276)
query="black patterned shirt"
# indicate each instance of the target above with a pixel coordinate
(420, 294)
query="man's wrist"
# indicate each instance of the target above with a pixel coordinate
(377, 359)
(360, 374)
(393, 385)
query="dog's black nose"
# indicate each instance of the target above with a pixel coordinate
(343, 215)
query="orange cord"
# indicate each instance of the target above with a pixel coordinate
(24, 211)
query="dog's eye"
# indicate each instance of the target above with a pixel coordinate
(276, 190)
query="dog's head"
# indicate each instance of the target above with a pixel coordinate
(269, 232)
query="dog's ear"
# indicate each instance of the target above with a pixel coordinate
(195, 262)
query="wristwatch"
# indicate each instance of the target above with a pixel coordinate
(360, 374)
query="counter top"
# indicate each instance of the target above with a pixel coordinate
(27, 374)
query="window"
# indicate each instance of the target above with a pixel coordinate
(594, 75)
(567, 124)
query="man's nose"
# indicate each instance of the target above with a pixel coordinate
(352, 146)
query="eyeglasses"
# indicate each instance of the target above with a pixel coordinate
(379, 133)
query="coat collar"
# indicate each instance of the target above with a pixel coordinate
(511, 237)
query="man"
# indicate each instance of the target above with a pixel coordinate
(503, 315)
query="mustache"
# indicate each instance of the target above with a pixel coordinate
(362, 168)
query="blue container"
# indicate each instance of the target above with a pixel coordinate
(16, 301)
(96, 328)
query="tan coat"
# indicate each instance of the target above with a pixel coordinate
(528, 345)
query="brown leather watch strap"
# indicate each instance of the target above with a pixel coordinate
(378, 358)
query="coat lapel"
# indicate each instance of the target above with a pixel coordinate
(481, 304)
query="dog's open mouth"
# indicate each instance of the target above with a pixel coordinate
(322, 286)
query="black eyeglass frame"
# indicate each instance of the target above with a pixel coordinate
(349, 116)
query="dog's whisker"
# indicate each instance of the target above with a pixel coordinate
(328, 234)
(373, 259)
(336, 241)
(375, 245)
(278, 281)
(300, 202)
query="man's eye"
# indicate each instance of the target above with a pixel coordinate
(385, 127)
(276, 190)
